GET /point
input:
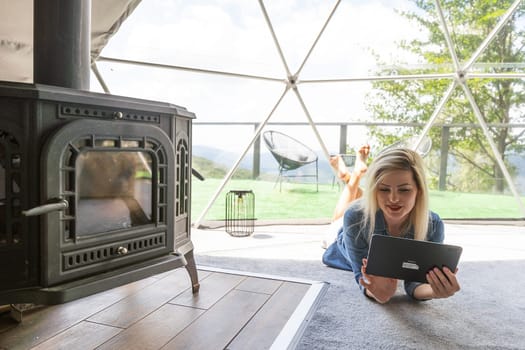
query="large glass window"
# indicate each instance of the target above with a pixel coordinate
(335, 75)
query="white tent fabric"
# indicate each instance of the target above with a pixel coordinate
(16, 33)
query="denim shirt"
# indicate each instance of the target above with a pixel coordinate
(352, 242)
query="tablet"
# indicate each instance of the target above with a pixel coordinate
(408, 259)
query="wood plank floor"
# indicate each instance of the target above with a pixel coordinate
(232, 310)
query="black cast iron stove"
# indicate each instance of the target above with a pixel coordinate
(94, 192)
(95, 189)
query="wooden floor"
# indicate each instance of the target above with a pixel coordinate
(231, 311)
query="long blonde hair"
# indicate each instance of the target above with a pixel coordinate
(385, 162)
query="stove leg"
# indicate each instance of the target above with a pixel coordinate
(191, 267)
(17, 311)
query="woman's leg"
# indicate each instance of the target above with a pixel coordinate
(351, 190)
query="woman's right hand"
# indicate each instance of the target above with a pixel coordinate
(377, 287)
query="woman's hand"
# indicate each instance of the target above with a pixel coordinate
(444, 283)
(377, 287)
(441, 284)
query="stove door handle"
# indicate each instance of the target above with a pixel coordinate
(46, 208)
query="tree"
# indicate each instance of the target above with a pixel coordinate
(501, 101)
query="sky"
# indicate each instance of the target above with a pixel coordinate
(233, 36)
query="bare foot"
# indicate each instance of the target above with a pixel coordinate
(340, 167)
(360, 166)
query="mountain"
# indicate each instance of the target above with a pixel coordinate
(225, 159)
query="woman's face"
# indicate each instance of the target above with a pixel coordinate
(396, 195)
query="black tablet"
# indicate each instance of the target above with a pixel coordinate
(408, 259)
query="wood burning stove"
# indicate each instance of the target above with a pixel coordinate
(94, 192)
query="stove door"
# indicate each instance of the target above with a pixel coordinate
(115, 182)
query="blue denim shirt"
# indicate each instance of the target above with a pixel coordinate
(352, 242)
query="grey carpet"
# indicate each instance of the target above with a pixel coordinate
(488, 312)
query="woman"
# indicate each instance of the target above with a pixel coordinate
(395, 203)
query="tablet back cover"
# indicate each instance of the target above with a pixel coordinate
(408, 259)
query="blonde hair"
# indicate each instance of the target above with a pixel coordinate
(385, 162)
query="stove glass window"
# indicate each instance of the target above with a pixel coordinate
(114, 191)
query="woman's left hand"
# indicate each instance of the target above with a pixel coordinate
(443, 282)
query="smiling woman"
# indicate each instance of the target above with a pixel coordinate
(395, 203)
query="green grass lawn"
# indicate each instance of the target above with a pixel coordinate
(298, 201)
